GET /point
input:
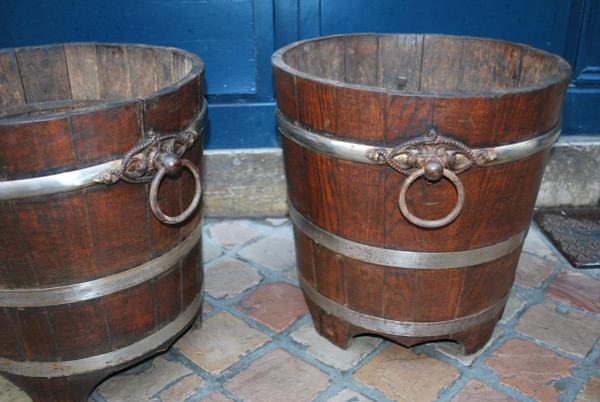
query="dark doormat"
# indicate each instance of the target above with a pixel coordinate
(574, 231)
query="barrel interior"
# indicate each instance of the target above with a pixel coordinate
(50, 79)
(432, 64)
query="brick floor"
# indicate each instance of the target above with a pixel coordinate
(348, 395)
(257, 343)
(275, 252)
(276, 305)
(220, 343)
(531, 369)
(325, 351)
(566, 330)
(278, 376)
(230, 234)
(532, 271)
(229, 278)
(476, 390)
(403, 375)
(591, 391)
(576, 289)
(144, 385)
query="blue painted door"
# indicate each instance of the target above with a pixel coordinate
(236, 38)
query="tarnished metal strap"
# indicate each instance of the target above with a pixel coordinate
(106, 360)
(73, 180)
(403, 258)
(39, 297)
(401, 328)
(357, 152)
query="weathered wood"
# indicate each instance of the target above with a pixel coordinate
(82, 63)
(113, 77)
(86, 252)
(440, 64)
(395, 88)
(141, 63)
(362, 60)
(44, 73)
(11, 87)
(399, 66)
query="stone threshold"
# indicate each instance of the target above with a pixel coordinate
(251, 182)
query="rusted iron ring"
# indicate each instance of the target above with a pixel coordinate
(460, 192)
(165, 169)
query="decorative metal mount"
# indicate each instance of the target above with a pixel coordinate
(434, 157)
(141, 163)
(150, 160)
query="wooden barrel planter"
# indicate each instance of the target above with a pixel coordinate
(413, 164)
(100, 230)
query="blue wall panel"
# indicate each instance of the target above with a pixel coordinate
(500, 19)
(237, 37)
(221, 32)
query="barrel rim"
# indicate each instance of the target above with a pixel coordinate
(563, 74)
(196, 70)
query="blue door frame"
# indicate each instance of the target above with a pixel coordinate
(237, 37)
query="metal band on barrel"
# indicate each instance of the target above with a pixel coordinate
(401, 328)
(106, 360)
(402, 258)
(39, 297)
(68, 181)
(357, 152)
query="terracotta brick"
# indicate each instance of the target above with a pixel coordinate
(532, 271)
(229, 278)
(577, 290)
(530, 369)
(221, 342)
(276, 305)
(278, 376)
(403, 375)
(185, 388)
(230, 234)
(216, 397)
(566, 330)
(348, 395)
(275, 252)
(535, 245)
(591, 390)
(328, 353)
(476, 390)
(142, 386)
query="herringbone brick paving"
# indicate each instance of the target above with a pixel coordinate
(257, 342)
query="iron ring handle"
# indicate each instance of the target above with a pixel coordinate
(460, 191)
(172, 220)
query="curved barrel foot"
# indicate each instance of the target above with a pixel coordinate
(340, 332)
(58, 389)
(476, 338)
(330, 327)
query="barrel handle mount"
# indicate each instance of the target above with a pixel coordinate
(150, 160)
(432, 156)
